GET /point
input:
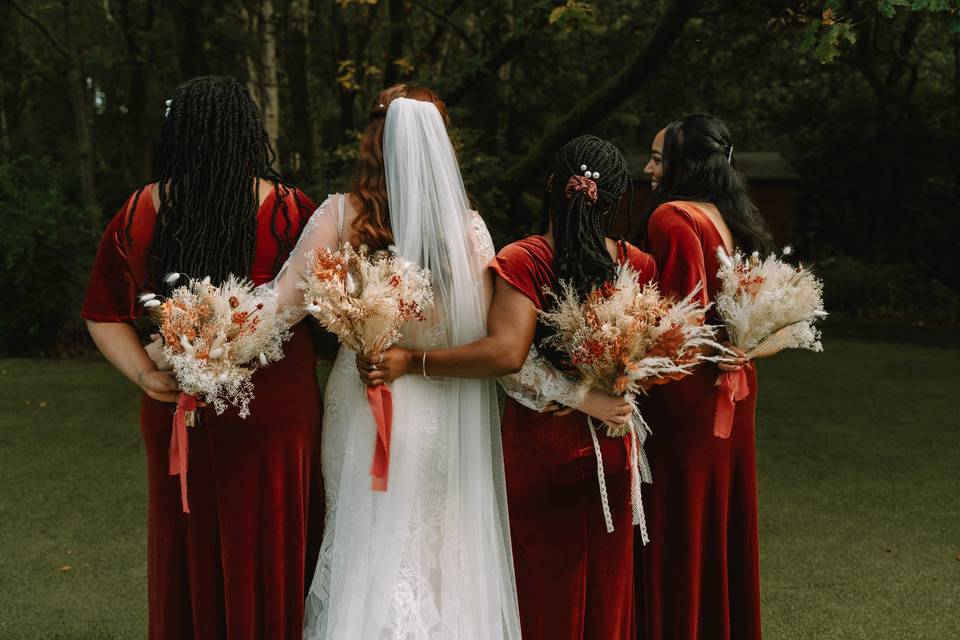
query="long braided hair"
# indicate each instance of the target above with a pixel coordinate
(699, 166)
(212, 150)
(579, 224)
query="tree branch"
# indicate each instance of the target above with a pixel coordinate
(445, 19)
(42, 28)
(604, 100)
(500, 56)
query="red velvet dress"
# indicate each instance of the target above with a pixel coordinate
(238, 565)
(574, 580)
(699, 575)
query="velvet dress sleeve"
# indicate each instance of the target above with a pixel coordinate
(677, 247)
(112, 290)
(518, 268)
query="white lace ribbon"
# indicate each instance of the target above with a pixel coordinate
(639, 472)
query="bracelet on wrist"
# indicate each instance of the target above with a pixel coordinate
(423, 365)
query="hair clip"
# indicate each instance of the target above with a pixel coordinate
(587, 174)
(583, 184)
(167, 103)
(730, 155)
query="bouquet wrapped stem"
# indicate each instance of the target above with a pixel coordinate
(365, 300)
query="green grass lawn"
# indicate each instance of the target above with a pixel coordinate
(859, 474)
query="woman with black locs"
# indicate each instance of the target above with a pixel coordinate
(237, 565)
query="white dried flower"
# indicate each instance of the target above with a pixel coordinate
(723, 257)
(263, 360)
(150, 304)
(171, 277)
(787, 250)
(216, 353)
(147, 296)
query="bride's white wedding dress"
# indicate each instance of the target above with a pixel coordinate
(430, 557)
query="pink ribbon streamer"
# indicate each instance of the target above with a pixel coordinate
(381, 404)
(179, 445)
(734, 387)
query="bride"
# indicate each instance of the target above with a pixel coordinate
(430, 557)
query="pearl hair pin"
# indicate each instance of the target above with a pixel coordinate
(588, 174)
(167, 103)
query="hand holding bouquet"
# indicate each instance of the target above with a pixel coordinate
(364, 300)
(767, 305)
(622, 338)
(215, 337)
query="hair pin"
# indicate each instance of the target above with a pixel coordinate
(587, 174)
(167, 103)
(730, 155)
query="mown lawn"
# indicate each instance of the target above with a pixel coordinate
(859, 476)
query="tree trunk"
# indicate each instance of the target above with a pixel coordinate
(4, 133)
(79, 100)
(296, 63)
(140, 150)
(78, 103)
(398, 29)
(188, 16)
(262, 65)
(345, 96)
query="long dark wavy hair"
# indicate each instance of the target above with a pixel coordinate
(212, 149)
(699, 166)
(579, 225)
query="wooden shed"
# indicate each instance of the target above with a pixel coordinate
(773, 186)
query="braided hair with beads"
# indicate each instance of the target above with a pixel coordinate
(578, 219)
(212, 152)
(586, 181)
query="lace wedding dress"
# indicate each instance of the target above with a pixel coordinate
(428, 559)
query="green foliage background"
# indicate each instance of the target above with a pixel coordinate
(862, 97)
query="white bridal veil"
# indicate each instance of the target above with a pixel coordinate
(430, 557)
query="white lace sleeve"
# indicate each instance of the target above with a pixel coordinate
(321, 230)
(539, 383)
(481, 245)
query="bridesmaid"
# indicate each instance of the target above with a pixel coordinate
(234, 567)
(574, 580)
(699, 575)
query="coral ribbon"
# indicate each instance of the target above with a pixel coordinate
(381, 404)
(179, 444)
(734, 387)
